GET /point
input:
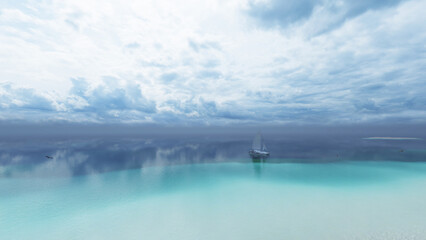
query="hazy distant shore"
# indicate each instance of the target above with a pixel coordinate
(392, 138)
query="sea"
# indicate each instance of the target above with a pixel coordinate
(205, 186)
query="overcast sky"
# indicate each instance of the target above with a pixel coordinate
(213, 62)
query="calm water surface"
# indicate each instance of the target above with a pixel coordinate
(206, 187)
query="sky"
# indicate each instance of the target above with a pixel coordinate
(213, 62)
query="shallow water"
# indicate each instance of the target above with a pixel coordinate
(201, 188)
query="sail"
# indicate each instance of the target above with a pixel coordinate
(264, 147)
(257, 142)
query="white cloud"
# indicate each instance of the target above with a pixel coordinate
(206, 62)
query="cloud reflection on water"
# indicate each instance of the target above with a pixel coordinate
(86, 156)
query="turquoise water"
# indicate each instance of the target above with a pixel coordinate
(224, 200)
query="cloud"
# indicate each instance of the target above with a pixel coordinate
(199, 110)
(168, 77)
(72, 24)
(333, 13)
(12, 98)
(107, 101)
(133, 45)
(195, 63)
(281, 13)
(209, 74)
(206, 45)
(366, 105)
(109, 98)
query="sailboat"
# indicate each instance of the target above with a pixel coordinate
(258, 149)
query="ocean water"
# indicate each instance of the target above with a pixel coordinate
(203, 187)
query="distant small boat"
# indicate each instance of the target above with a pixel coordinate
(49, 157)
(258, 149)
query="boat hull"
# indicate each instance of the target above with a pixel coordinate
(258, 154)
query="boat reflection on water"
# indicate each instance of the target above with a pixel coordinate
(258, 167)
(258, 152)
(66, 157)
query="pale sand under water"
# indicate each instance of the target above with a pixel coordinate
(345, 200)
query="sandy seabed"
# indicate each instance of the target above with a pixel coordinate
(345, 200)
